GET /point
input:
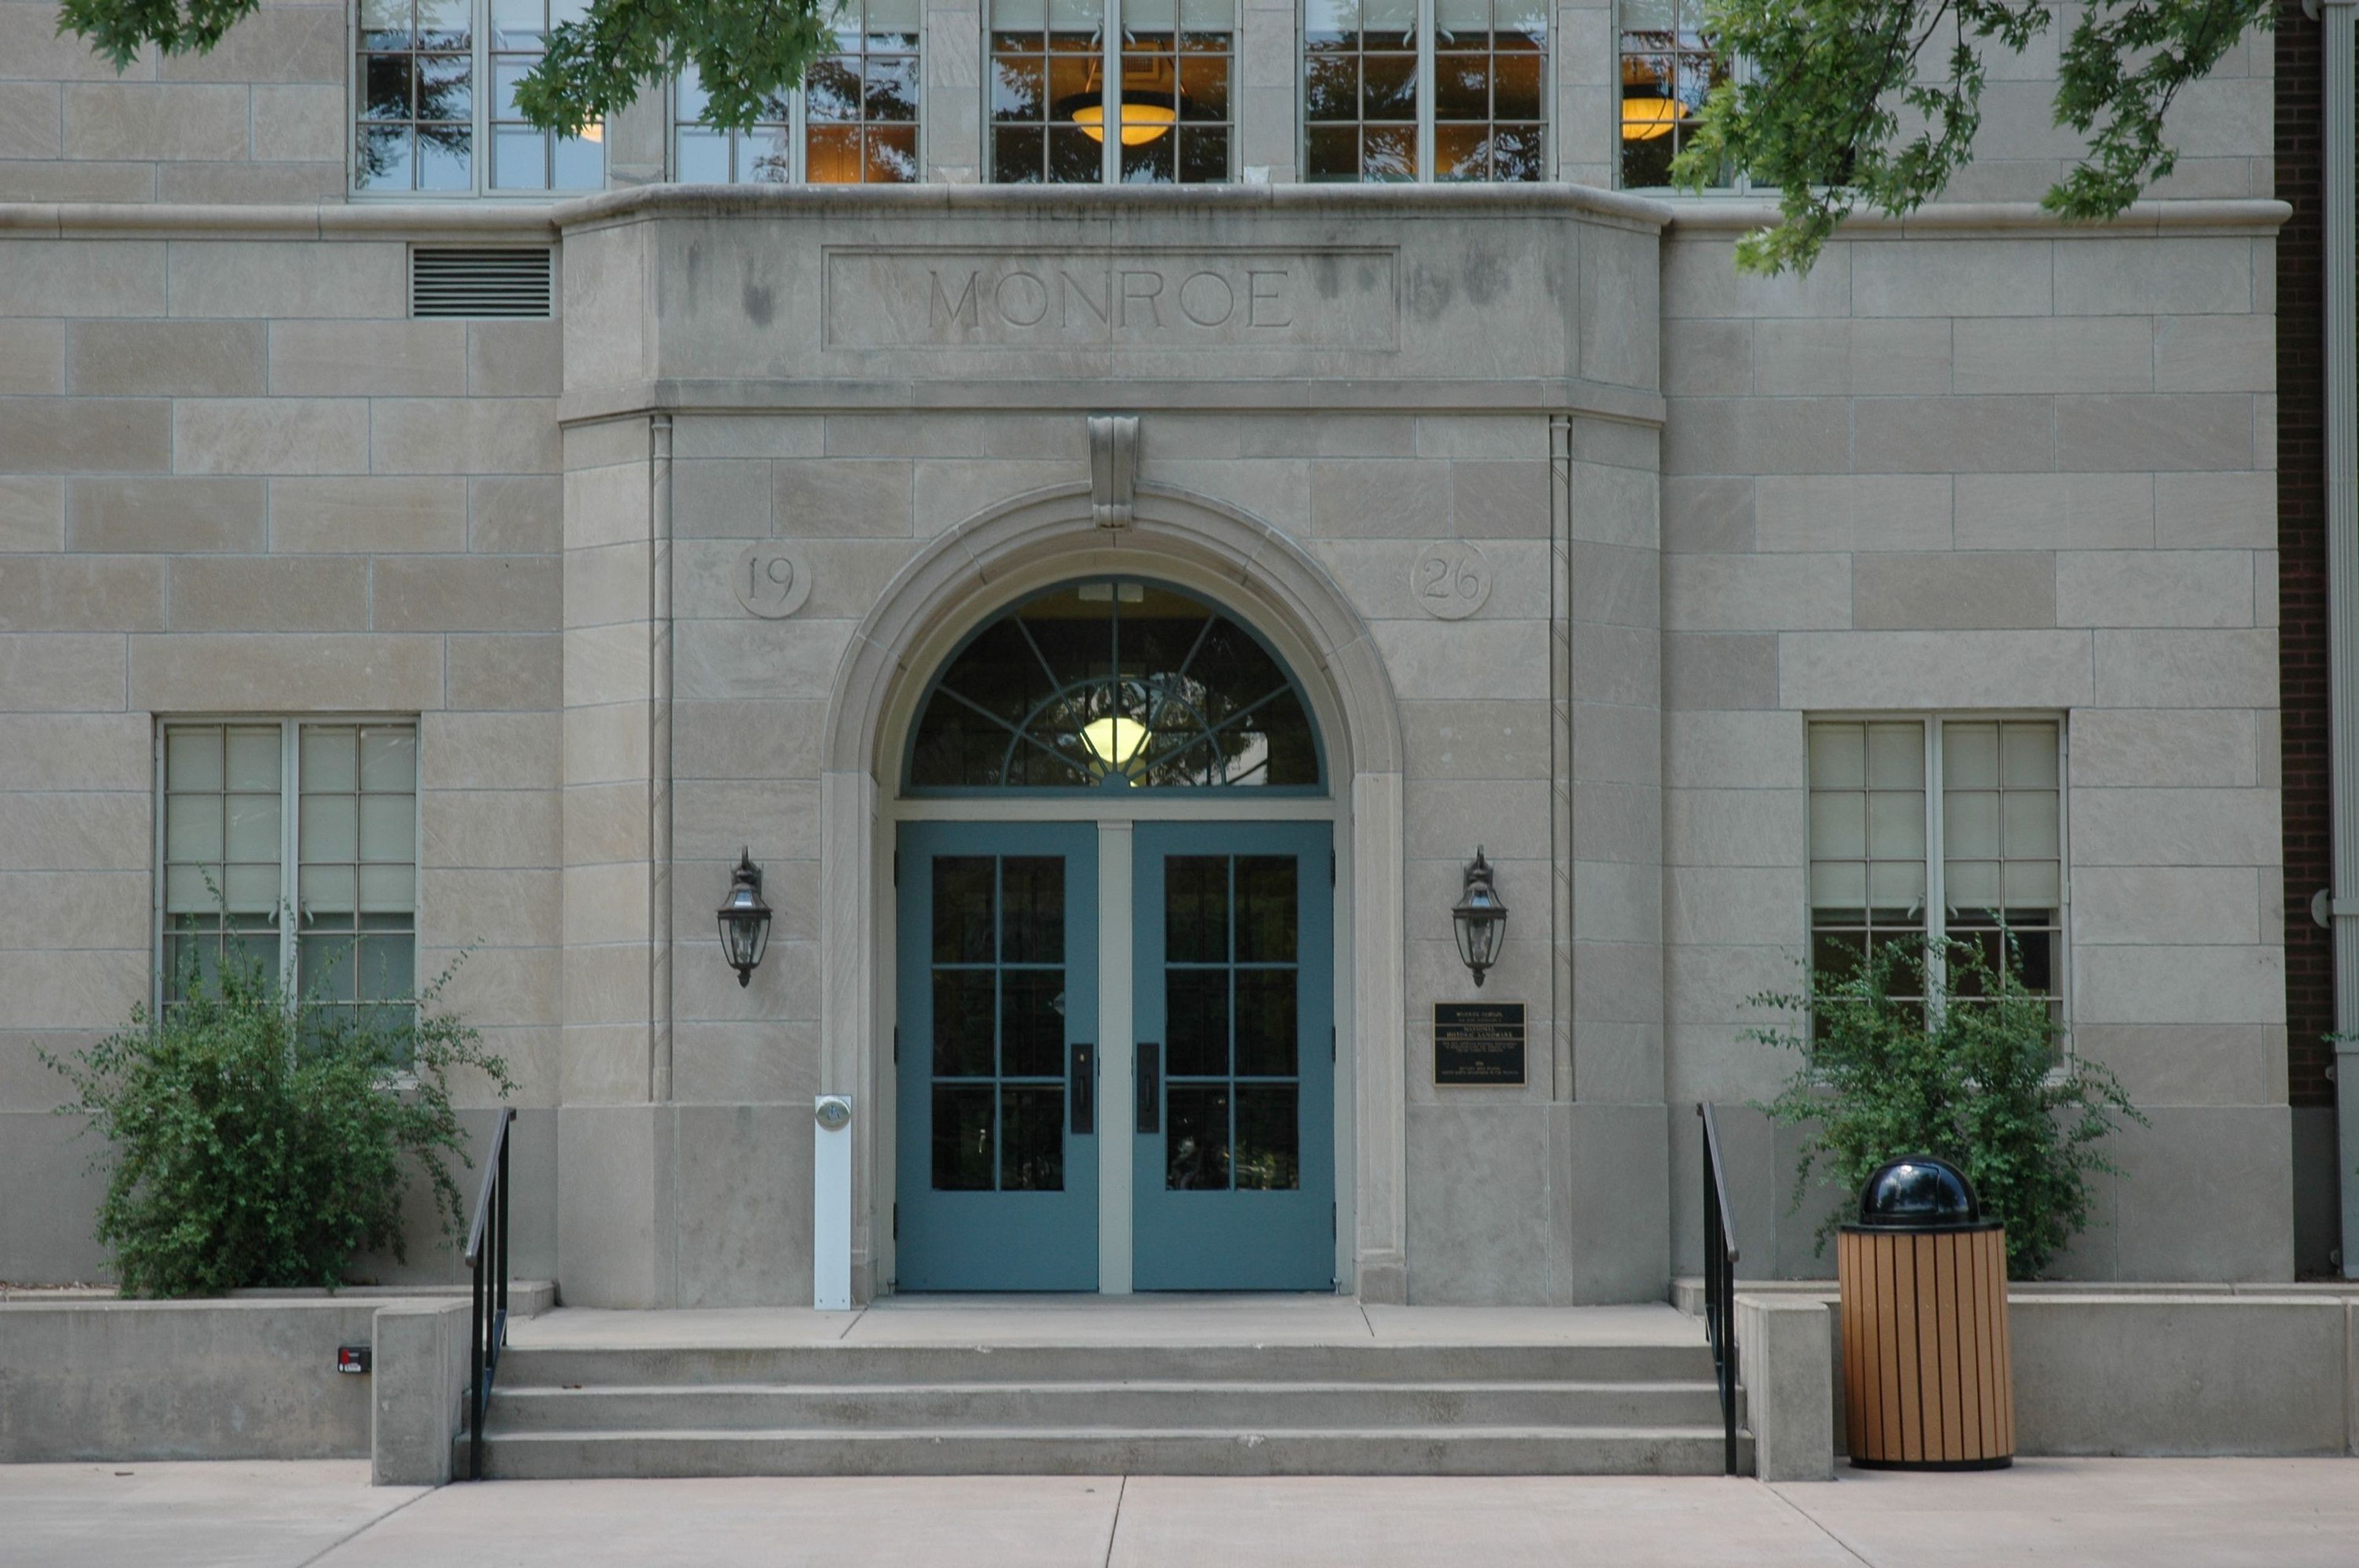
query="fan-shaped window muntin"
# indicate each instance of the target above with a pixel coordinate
(1116, 683)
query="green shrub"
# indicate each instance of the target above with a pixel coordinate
(1960, 1063)
(259, 1141)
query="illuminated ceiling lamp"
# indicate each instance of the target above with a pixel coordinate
(1116, 743)
(1647, 117)
(1144, 118)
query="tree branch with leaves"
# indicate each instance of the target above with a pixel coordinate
(1877, 103)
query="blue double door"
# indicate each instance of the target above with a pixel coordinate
(1040, 1133)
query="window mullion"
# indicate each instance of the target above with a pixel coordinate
(1937, 906)
(480, 113)
(1425, 68)
(291, 811)
(1110, 99)
(798, 129)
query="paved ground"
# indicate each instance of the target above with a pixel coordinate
(2096, 1513)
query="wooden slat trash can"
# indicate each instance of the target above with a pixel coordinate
(1928, 1383)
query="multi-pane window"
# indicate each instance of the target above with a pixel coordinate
(1940, 830)
(1365, 115)
(1161, 73)
(1359, 90)
(295, 844)
(854, 123)
(423, 118)
(1668, 68)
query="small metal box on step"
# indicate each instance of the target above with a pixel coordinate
(1928, 1378)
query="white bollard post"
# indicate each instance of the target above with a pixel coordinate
(831, 1204)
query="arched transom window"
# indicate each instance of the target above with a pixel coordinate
(1114, 684)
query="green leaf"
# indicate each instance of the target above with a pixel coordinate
(1877, 103)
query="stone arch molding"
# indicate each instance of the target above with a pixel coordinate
(1266, 576)
(1272, 578)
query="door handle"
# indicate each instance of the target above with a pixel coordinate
(1150, 1087)
(1084, 1082)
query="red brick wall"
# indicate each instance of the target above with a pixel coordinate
(2301, 561)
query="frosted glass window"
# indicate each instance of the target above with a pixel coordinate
(1981, 799)
(338, 916)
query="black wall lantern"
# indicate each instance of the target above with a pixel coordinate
(1481, 919)
(744, 919)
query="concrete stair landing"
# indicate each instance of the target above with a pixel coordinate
(1190, 1386)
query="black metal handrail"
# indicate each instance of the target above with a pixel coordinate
(487, 1243)
(1719, 1281)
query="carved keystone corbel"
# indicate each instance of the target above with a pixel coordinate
(1114, 468)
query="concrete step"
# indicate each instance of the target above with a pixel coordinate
(1324, 1362)
(1105, 1451)
(1175, 1406)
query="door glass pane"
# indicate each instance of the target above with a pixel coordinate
(963, 1159)
(1265, 1023)
(1196, 1138)
(1231, 985)
(1196, 909)
(998, 1000)
(963, 909)
(1270, 1143)
(962, 1020)
(1266, 909)
(1032, 892)
(1196, 1019)
(1031, 1023)
(1032, 1138)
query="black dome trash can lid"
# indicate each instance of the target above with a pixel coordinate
(1918, 1192)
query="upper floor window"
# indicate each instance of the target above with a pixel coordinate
(293, 845)
(855, 120)
(1668, 68)
(425, 121)
(1930, 832)
(1159, 70)
(1369, 114)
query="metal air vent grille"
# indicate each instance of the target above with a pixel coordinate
(479, 281)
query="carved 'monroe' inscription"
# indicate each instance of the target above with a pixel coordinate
(925, 298)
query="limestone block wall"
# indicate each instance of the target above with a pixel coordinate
(262, 118)
(237, 480)
(1955, 470)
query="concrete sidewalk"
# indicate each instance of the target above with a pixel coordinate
(2133, 1513)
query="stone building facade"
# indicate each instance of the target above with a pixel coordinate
(1706, 606)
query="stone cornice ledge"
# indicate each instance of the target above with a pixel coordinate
(1084, 201)
(324, 220)
(1219, 393)
(1948, 219)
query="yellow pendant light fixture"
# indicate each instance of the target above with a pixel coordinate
(1646, 119)
(1142, 121)
(1114, 743)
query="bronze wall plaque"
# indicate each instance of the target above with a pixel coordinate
(1478, 1044)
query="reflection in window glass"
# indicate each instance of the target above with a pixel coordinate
(422, 119)
(1113, 685)
(858, 112)
(354, 888)
(524, 158)
(417, 111)
(1359, 91)
(1997, 815)
(1048, 92)
(1489, 73)
(1668, 68)
(1175, 90)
